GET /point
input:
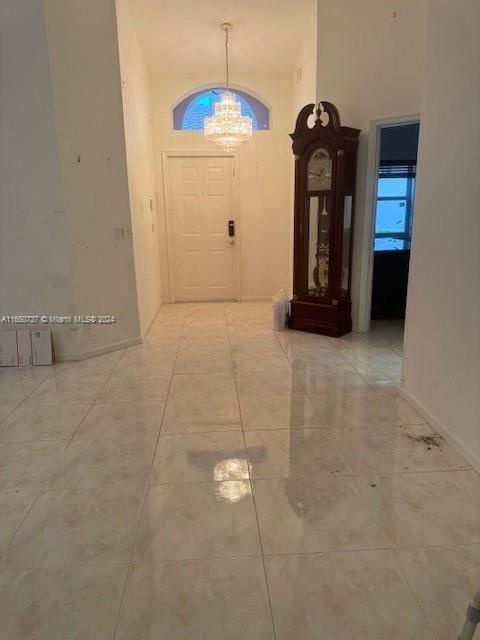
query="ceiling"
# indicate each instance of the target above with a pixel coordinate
(182, 36)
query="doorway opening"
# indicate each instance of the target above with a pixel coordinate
(387, 229)
(394, 211)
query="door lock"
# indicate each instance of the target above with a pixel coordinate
(231, 242)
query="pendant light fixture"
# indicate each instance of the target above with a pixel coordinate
(227, 127)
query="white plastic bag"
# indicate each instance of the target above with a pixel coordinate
(279, 310)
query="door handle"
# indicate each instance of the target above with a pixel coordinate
(231, 228)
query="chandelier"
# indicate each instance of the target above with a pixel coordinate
(227, 127)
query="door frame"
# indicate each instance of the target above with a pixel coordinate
(166, 155)
(368, 230)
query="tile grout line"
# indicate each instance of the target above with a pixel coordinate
(2, 554)
(92, 404)
(338, 350)
(21, 402)
(412, 592)
(376, 474)
(14, 408)
(402, 474)
(307, 394)
(252, 489)
(147, 486)
(387, 550)
(395, 393)
(43, 489)
(303, 386)
(10, 540)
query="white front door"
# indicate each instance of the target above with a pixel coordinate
(201, 206)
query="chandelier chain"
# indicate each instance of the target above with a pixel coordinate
(226, 57)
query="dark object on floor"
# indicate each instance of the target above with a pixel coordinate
(429, 441)
(473, 619)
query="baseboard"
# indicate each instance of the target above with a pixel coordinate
(442, 429)
(241, 299)
(154, 317)
(116, 346)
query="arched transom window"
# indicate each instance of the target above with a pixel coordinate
(190, 112)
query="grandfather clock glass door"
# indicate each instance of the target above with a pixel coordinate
(318, 207)
(325, 160)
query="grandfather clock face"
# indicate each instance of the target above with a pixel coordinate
(319, 171)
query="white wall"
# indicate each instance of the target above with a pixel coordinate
(35, 275)
(84, 60)
(442, 343)
(370, 65)
(264, 174)
(304, 85)
(141, 169)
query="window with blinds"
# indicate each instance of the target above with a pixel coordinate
(189, 114)
(394, 206)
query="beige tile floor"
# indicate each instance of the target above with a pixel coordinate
(222, 481)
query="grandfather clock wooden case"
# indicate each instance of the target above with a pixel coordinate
(325, 169)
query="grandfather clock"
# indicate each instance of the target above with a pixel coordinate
(325, 168)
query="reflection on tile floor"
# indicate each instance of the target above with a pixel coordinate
(224, 481)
